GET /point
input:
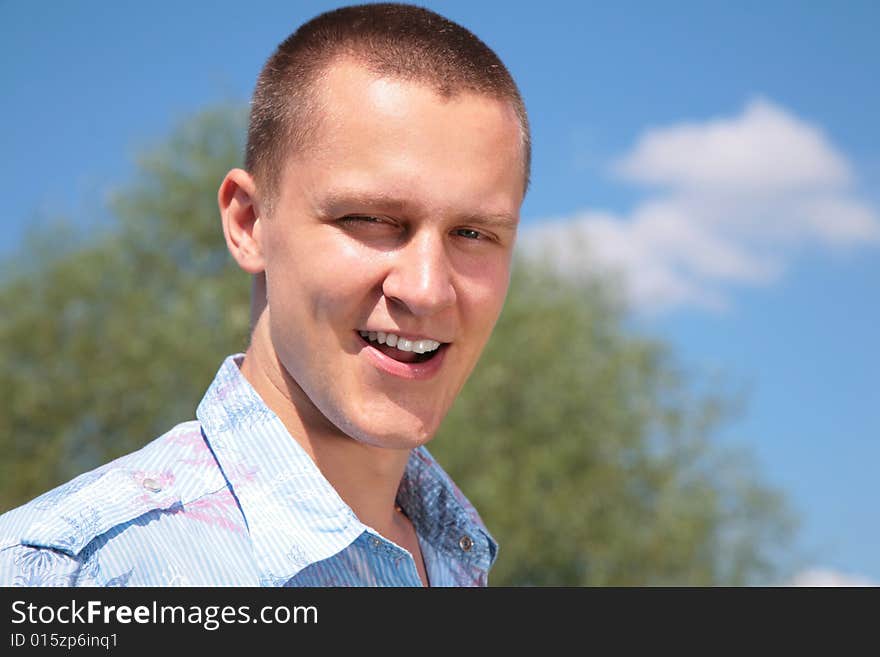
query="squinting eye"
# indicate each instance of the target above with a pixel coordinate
(362, 217)
(470, 233)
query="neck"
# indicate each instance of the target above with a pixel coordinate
(365, 476)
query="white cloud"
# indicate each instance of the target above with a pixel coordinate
(825, 577)
(740, 197)
(852, 222)
(764, 149)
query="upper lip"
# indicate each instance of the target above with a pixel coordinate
(405, 336)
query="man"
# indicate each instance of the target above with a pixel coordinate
(387, 159)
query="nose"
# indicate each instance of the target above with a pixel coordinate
(420, 278)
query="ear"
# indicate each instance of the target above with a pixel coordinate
(240, 213)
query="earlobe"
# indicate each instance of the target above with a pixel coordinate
(239, 211)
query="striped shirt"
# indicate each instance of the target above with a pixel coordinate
(231, 499)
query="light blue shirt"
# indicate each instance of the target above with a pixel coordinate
(231, 499)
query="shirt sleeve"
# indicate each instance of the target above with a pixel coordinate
(24, 565)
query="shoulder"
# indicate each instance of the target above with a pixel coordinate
(48, 535)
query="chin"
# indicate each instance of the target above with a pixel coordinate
(404, 431)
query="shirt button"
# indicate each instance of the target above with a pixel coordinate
(376, 542)
(465, 543)
(151, 485)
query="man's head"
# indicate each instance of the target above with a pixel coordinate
(395, 191)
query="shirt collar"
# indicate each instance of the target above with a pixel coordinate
(294, 515)
(443, 516)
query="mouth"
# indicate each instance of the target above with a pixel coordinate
(416, 358)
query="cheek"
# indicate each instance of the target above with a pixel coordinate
(320, 278)
(340, 286)
(483, 295)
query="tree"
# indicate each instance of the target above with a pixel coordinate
(589, 455)
(581, 442)
(112, 342)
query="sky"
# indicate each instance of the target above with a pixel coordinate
(722, 159)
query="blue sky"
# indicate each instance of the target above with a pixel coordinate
(724, 159)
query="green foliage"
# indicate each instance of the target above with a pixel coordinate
(582, 444)
(589, 459)
(111, 343)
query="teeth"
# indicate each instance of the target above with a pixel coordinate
(393, 340)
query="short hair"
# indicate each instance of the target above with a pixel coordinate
(393, 40)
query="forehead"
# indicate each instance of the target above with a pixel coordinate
(399, 135)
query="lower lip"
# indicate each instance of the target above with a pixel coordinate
(412, 371)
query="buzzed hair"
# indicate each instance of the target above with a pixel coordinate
(391, 40)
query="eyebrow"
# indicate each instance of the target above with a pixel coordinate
(334, 199)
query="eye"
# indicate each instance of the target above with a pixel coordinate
(469, 233)
(368, 224)
(362, 218)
